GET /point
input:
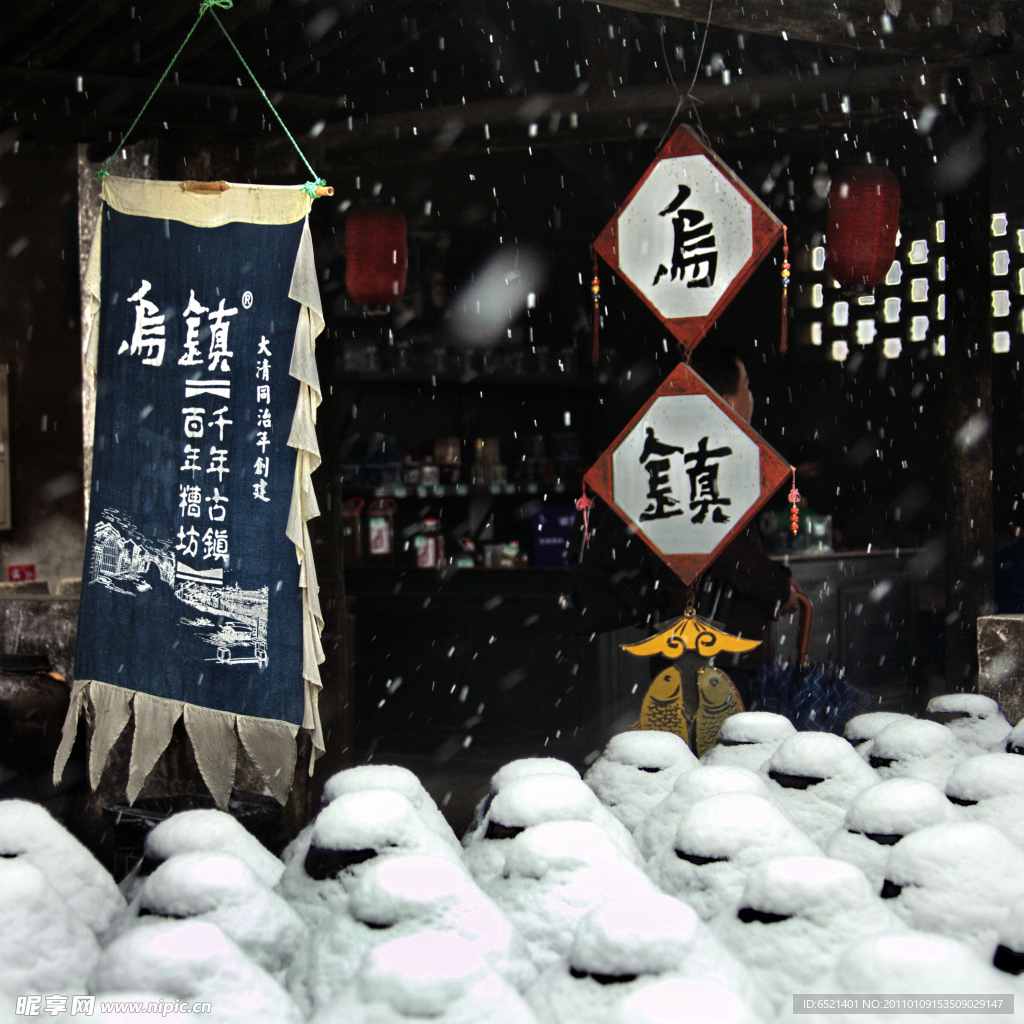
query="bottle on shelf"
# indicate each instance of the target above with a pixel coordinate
(381, 521)
(429, 545)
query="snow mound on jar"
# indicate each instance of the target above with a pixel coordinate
(717, 843)
(814, 777)
(537, 800)
(430, 975)
(28, 831)
(880, 817)
(637, 770)
(916, 749)
(659, 828)
(623, 947)
(685, 1001)
(392, 777)
(748, 739)
(984, 777)
(973, 718)
(796, 916)
(912, 963)
(223, 890)
(44, 945)
(211, 831)
(956, 879)
(194, 960)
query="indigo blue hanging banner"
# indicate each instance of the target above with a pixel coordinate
(198, 591)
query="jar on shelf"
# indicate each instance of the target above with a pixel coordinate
(466, 554)
(511, 557)
(429, 545)
(430, 475)
(410, 472)
(352, 531)
(381, 522)
(448, 456)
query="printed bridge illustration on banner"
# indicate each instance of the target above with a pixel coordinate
(199, 596)
(126, 562)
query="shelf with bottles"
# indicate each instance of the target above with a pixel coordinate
(435, 362)
(436, 535)
(400, 491)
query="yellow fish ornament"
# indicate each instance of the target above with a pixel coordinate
(719, 699)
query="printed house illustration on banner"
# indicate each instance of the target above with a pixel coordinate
(688, 236)
(687, 474)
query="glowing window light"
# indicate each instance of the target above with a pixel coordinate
(891, 310)
(940, 269)
(840, 350)
(918, 251)
(998, 224)
(1001, 263)
(940, 307)
(818, 258)
(866, 332)
(892, 347)
(895, 274)
(919, 289)
(816, 334)
(940, 231)
(817, 296)
(1000, 303)
(939, 348)
(841, 314)
(918, 328)
(1001, 341)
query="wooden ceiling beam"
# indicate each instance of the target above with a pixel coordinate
(943, 29)
(840, 95)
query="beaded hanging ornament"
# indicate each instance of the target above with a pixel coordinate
(784, 339)
(794, 506)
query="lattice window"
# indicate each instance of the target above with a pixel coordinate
(905, 316)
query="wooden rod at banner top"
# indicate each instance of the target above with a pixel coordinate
(223, 186)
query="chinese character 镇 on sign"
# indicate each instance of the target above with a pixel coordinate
(703, 473)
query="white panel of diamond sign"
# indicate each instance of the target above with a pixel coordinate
(686, 474)
(684, 237)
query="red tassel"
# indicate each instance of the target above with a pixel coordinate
(794, 502)
(584, 505)
(595, 290)
(784, 334)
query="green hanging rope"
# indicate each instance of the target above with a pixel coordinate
(309, 187)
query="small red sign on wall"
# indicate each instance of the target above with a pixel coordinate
(20, 573)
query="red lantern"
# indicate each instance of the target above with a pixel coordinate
(377, 256)
(863, 218)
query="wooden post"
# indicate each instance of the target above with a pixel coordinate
(969, 544)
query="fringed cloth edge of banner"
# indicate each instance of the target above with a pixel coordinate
(214, 736)
(273, 205)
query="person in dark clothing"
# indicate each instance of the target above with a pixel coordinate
(752, 591)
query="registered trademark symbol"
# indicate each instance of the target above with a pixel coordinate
(247, 299)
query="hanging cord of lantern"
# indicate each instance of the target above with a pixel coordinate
(313, 188)
(595, 290)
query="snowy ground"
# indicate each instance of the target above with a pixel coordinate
(655, 889)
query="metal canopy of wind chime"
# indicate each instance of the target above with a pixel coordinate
(199, 594)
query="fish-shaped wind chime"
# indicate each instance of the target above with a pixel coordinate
(691, 698)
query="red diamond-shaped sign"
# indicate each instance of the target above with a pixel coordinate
(688, 236)
(687, 474)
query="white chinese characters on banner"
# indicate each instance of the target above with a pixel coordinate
(685, 236)
(686, 474)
